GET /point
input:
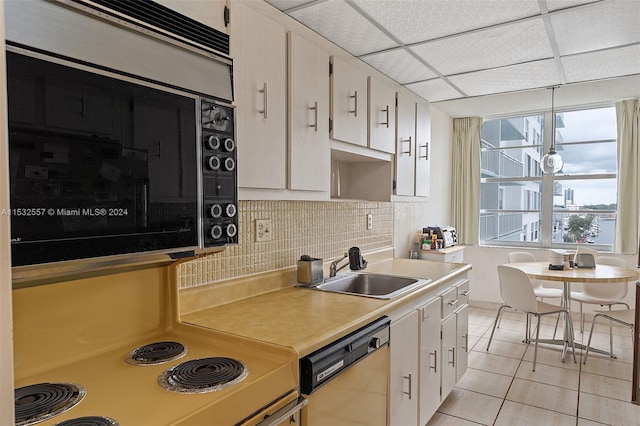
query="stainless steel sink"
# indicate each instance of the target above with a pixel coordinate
(370, 285)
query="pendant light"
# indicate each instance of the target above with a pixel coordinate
(552, 161)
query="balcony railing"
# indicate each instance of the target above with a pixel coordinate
(496, 226)
(495, 163)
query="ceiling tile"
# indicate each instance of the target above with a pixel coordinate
(504, 45)
(597, 26)
(287, 4)
(434, 90)
(400, 65)
(507, 79)
(413, 21)
(340, 23)
(564, 4)
(602, 64)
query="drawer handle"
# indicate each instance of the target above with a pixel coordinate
(435, 360)
(466, 293)
(408, 378)
(452, 302)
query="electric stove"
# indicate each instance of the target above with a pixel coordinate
(114, 344)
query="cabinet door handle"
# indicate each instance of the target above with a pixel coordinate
(386, 123)
(466, 340)
(82, 106)
(410, 145)
(452, 360)
(355, 99)
(408, 378)
(452, 302)
(435, 360)
(265, 100)
(426, 151)
(314, 108)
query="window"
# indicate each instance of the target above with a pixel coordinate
(518, 203)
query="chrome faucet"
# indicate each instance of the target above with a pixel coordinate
(333, 268)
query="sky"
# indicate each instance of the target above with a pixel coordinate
(590, 125)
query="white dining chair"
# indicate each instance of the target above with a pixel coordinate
(625, 317)
(517, 293)
(539, 290)
(583, 249)
(602, 294)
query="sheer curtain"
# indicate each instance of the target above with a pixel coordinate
(465, 179)
(628, 118)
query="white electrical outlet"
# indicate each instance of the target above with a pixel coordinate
(369, 221)
(263, 230)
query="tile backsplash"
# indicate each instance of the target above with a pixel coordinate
(323, 229)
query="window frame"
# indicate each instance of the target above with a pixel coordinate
(547, 210)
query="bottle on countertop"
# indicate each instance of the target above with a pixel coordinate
(434, 241)
(426, 242)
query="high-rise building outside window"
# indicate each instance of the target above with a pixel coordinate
(575, 206)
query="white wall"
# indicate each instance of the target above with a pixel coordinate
(6, 336)
(484, 275)
(411, 216)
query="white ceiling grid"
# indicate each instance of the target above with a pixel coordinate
(454, 49)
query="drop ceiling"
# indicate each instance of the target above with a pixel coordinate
(452, 50)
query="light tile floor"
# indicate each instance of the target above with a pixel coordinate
(500, 388)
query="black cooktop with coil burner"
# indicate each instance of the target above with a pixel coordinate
(203, 375)
(156, 353)
(89, 421)
(38, 402)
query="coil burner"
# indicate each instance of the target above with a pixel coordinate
(42, 401)
(156, 353)
(89, 421)
(203, 375)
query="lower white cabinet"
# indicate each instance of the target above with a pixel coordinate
(462, 340)
(449, 340)
(403, 371)
(428, 353)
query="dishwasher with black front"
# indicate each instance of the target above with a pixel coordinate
(346, 382)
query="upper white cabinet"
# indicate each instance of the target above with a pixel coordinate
(413, 133)
(309, 151)
(405, 145)
(258, 46)
(382, 117)
(209, 12)
(423, 144)
(348, 103)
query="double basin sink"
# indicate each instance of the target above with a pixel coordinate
(370, 285)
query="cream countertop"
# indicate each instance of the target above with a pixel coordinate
(306, 320)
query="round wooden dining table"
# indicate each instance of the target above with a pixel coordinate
(601, 274)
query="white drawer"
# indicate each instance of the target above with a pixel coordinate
(449, 301)
(463, 293)
(455, 257)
